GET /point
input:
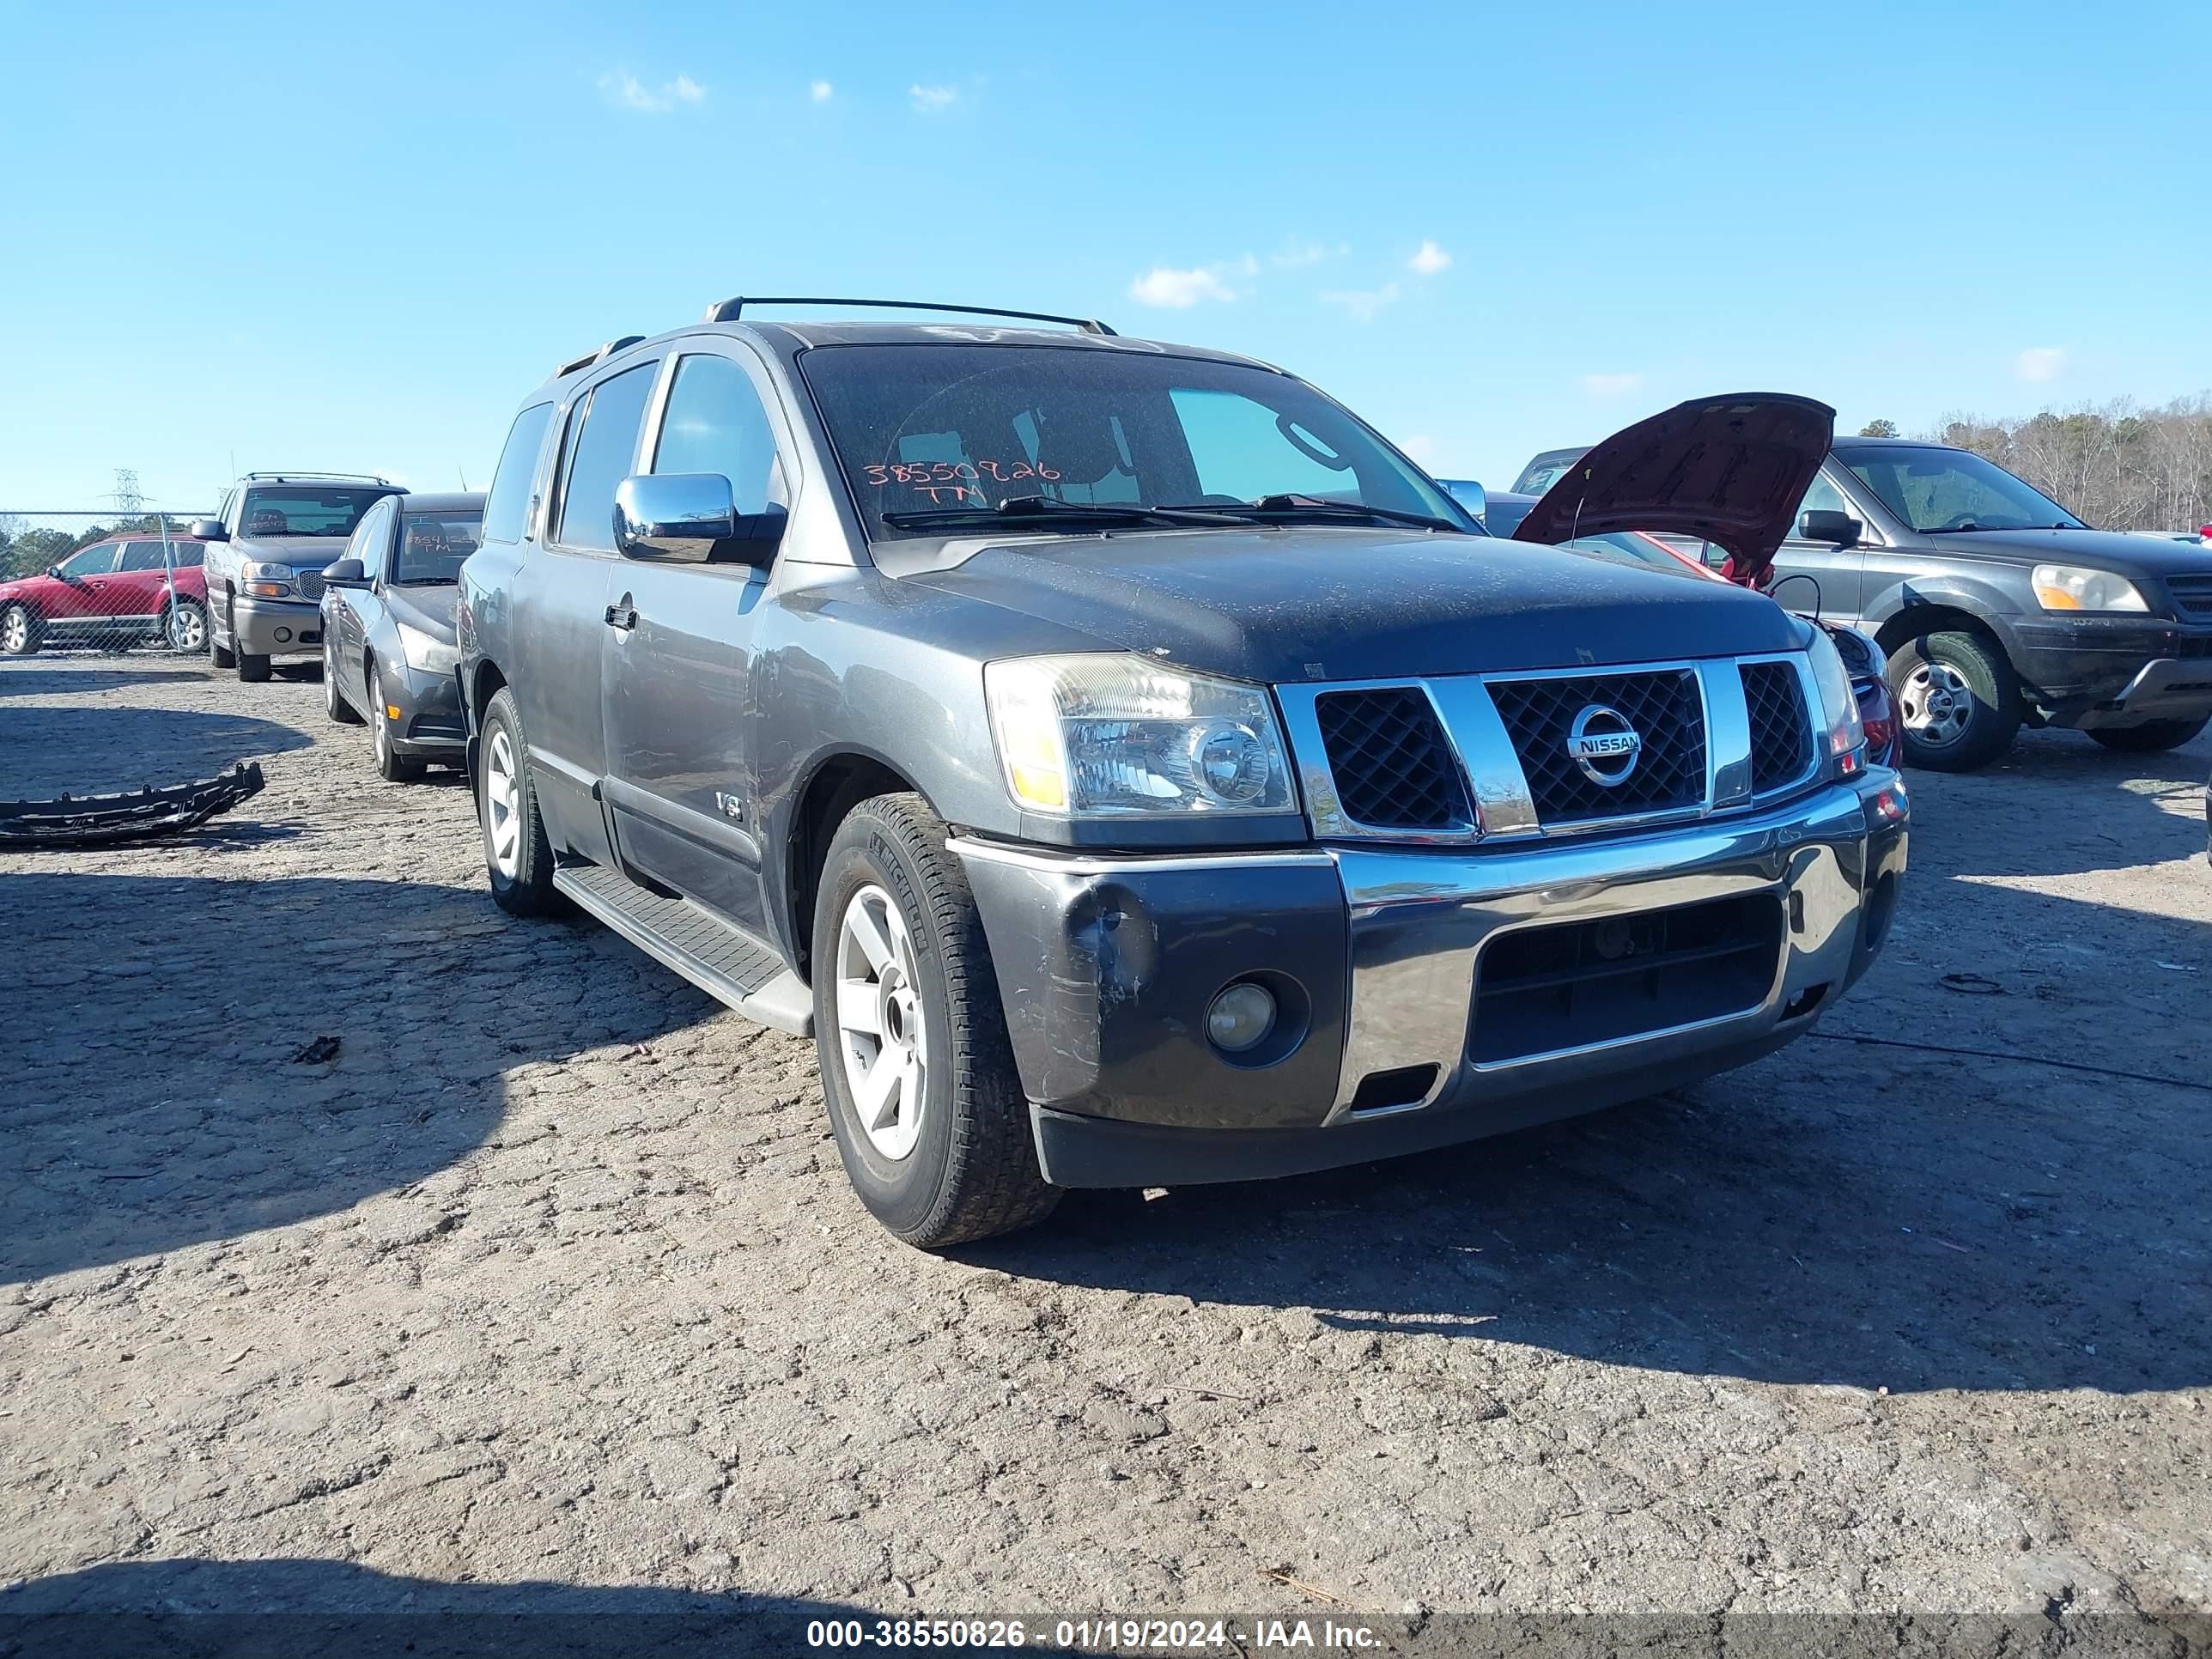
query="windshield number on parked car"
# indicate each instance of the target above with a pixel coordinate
(939, 480)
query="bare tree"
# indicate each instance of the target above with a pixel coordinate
(2117, 465)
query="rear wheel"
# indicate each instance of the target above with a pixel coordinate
(518, 858)
(334, 700)
(2151, 738)
(20, 632)
(925, 1100)
(187, 627)
(1958, 701)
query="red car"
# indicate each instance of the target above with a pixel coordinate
(115, 593)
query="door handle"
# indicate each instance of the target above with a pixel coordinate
(623, 615)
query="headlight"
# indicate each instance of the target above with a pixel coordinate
(2074, 587)
(1843, 742)
(268, 581)
(432, 656)
(1101, 736)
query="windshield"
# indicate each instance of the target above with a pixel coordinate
(304, 510)
(1939, 489)
(1546, 469)
(432, 545)
(1633, 547)
(925, 431)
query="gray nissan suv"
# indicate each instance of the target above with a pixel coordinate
(1130, 769)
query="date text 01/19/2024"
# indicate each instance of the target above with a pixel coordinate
(1143, 1635)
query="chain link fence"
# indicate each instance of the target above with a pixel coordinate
(88, 580)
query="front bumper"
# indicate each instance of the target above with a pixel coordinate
(1381, 959)
(429, 726)
(276, 628)
(2100, 671)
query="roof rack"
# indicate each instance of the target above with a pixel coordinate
(728, 311)
(590, 357)
(313, 477)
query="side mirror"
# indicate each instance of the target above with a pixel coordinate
(1827, 524)
(690, 517)
(1468, 494)
(209, 530)
(346, 573)
(54, 571)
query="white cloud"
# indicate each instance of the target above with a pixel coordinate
(625, 91)
(1611, 385)
(2040, 363)
(1420, 447)
(1362, 304)
(1428, 260)
(822, 92)
(1293, 254)
(1178, 290)
(933, 101)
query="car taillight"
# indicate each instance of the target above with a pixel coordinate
(1878, 716)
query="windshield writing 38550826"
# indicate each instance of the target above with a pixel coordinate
(952, 483)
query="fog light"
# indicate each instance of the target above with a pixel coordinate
(1241, 1018)
(283, 635)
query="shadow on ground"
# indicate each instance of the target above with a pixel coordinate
(57, 683)
(1847, 1211)
(129, 1609)
(155, 1096)
(90, 749)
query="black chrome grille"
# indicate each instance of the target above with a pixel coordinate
(1394, 769)
(1781, 737)
(2192, 595)
(1664, 708)
(311, 583)
(1543, 989)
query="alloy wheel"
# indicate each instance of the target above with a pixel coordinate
(14, 629)
(882, 1030)
(188, 629)
(1937, 703)
(503, 804)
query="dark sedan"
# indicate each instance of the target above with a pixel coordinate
(388, 641)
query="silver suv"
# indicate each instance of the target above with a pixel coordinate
(265, 555)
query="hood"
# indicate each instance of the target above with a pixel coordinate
(1731, 469)
(301, 552)
(432, 610)
(1286, 605)
(2108, 550)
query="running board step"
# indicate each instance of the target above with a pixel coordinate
(722, 960)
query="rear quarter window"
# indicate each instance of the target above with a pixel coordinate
(506, 509)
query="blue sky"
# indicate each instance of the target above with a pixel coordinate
(353, 238)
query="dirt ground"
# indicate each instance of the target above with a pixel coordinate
(550, 1275)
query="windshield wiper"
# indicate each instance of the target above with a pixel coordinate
(1047, 507)
(1306, 506)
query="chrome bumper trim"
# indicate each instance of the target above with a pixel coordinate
(1420, 918)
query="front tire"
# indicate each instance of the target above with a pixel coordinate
(2151, 738)
(1958, 701)
(924, 1097)
(20, 632)
(518, 857)
(390, 765)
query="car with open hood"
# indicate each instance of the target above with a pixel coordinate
(1130, 768)
(267, 546)
(1722, 473)
(1994, 606)
(389, 644)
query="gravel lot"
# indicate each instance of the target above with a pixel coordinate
(550, 1277)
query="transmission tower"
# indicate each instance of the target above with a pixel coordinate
(129, 500)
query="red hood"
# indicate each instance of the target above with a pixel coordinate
(1731, 469)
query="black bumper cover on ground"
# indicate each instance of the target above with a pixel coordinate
(91, 820)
